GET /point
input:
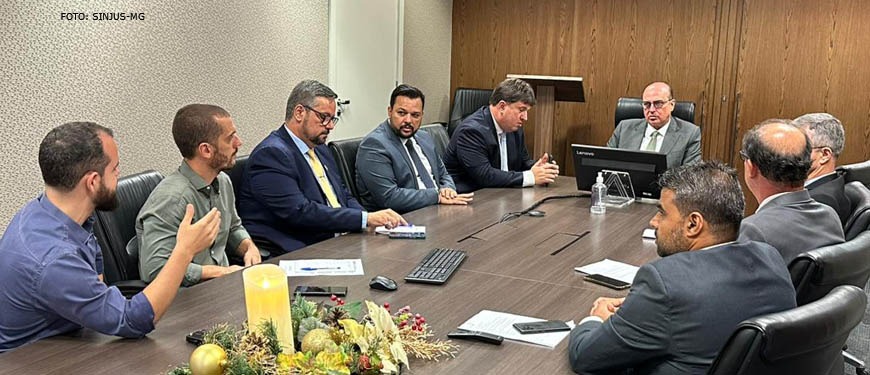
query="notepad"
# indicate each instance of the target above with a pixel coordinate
(611, 268)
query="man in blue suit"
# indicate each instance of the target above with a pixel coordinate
(488, 149)
(683, 307)
(292, 195)
(397, 166)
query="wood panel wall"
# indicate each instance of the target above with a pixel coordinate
(740, 61)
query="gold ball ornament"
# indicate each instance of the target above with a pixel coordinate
(208, 359)
(318, 340)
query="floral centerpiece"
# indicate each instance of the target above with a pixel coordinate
(331, 340)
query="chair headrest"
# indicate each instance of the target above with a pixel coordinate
(847, 263)
(631, 108)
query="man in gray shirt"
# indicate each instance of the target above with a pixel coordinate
(207, 138)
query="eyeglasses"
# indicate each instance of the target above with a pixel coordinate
(744, 155)
(325, 118)
(658, 104)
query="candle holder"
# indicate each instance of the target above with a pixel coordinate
(267, 297)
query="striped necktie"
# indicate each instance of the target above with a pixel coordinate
(320, 174)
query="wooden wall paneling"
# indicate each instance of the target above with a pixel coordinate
(719, 109)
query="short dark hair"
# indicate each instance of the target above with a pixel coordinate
(195, 124)
(407, 91)
(692, 185)
(782, 168)
(305, 93)
(513, 90)
(71, 150)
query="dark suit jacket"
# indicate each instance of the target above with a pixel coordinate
(681, 145)
(793, 223)
(281, 201)
(385, 176)
(473, 157)
(831, 191)
(682, 309)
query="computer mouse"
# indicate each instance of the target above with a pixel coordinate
(536, 213)
(383, 283)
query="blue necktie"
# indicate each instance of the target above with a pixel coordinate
(421, 170)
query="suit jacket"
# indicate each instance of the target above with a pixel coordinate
(682, 309)
(831, 191)
(385, 176)
(281, 201)
(793, 223)
(682, 142)
(473, 157)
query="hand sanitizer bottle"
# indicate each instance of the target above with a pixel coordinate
(599, 192)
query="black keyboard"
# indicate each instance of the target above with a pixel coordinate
(436, 267)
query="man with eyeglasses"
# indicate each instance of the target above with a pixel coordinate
(397, 166)
(658, 131)
(776, 159)
(488, 149)
(825, 184)
(292, 195)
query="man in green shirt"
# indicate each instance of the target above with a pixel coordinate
(207, 138)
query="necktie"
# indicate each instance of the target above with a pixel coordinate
(653, 141)
(320, 174)
(502, 149)
(421, 170)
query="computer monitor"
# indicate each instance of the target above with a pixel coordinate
(644, 167)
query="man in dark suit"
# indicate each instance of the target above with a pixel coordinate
(683, 307)
(488, 148)
(824, 183)
(291, 194)
(659, 131)
(397, 166)
(776, 159)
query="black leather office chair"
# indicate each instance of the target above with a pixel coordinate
(115, 229)
(439, 134)
(859, 219)
(236, 174)
(804, 340)
(816, 272)
(858, 172)
(629, 108)
(465, 102)
(344, 152)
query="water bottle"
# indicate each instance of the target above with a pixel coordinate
(599, 192)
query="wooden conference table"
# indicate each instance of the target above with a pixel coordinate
(524, 266)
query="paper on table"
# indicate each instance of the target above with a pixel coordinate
(499, 323)
(322, 267)
(649, 233)
(611, 268)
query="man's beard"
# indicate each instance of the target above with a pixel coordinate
(106, 200)
(672, 243)
(399, 134)
(222, 162)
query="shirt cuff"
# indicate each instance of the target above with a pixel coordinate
(528, 178)
(591, 318)
(140, 314)
(193, 274)
(365, 217)
(234, 240)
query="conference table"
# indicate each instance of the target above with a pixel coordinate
(521, 266)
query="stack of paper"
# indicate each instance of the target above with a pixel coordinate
(610, 268)
(322, 267)
(499, 323)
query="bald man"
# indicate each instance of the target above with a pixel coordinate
(658, 131)
(776, 160)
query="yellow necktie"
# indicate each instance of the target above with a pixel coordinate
(320, 174)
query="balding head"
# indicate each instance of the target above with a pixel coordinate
(658, 103)
(780, 151)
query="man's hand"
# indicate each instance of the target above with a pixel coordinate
(544, 171)
(231, 269)
(388, 218)
(447, 193)
(605, 307)
(461, 199)
(250, 252)
(195, 237)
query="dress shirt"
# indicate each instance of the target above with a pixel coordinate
(423, 159)
(158, 221)
(49, 267)
(647, 135)
(770, 198)
(303, 148)
(528, 176)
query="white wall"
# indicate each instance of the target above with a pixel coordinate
(427, 42)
